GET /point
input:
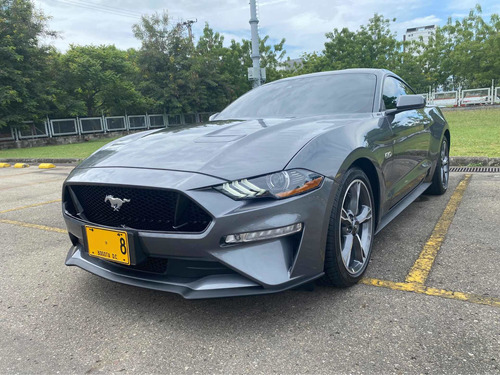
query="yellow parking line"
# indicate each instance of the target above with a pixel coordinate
(34, 226)
(422, 289)
(422, 266)
(29, 206)
(406, 287)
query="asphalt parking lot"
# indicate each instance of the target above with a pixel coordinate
(430, 302)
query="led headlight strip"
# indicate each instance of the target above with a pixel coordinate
(242, 189)
(276, 185)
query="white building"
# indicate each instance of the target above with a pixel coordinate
(291, 64)
(415, 33)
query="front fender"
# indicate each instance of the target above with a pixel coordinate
(333, 152)
(368, 143)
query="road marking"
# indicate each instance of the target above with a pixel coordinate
(38, 172)
(34, 183)
(29, 206)
(18, 174)
(422, 267)
(406, 287)
(415, 279)
(422, 289)
(34, 226)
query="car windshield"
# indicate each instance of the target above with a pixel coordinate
(307, 96)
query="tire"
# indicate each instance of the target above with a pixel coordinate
(351, 228)
(441, 174)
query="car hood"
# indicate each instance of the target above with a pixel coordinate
(225, 149)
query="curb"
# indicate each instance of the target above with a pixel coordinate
(38, 161)
(21, 165)
(476, 161)
(24, 165)
(46, 166)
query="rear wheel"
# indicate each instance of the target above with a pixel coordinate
(350, 232)
(442, 173)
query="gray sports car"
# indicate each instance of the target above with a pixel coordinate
(288, 184)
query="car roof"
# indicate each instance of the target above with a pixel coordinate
(378, 72)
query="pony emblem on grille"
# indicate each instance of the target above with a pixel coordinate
(116, 203)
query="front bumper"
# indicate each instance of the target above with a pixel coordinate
(200, 265)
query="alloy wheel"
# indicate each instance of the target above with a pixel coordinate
(356, 227)
(445, 165)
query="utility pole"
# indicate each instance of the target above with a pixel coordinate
(255, 74)
(188, 24)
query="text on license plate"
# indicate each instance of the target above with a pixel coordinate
(108, 244)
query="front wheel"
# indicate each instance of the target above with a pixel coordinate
(350, 231)
(441, 175)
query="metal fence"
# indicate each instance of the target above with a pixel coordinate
(93, 125)
(446, 99)
(462, 98)
(102, 124)
(7, 134)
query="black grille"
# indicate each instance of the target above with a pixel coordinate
(148, 209)
(154, 265)
(178, 267)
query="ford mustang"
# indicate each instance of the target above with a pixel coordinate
(287, 185)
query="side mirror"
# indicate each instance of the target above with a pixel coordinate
(212, 117)
(407, 102)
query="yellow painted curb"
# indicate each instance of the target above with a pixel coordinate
(46, 166)
(21, 165)
(4, 165)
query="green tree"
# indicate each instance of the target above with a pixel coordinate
(473, 47)
(372, 46)
(213, 80)
(99, 79)
(24, 89)
(462, 53)
(272, 58)
(312, 63)
(165, 60)
(64, 102)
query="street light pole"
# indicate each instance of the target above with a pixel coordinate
(255, 74)
(188, 24)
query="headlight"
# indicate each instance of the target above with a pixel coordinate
(276, 185)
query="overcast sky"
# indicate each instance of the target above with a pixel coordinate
(302, 22)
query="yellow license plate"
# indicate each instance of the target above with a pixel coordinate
(108, 244)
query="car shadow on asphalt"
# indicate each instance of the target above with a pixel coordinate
(284, 308)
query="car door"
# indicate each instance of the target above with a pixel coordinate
(409, 162)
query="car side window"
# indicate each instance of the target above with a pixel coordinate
(393, 89)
